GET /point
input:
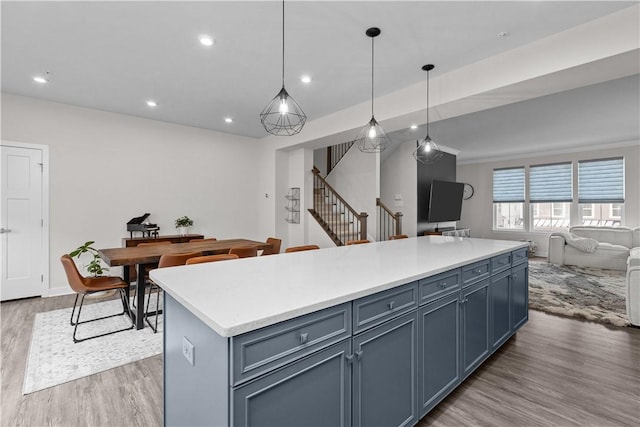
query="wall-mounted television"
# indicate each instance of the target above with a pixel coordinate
(445, 203)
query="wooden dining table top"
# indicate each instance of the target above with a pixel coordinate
(151, 254)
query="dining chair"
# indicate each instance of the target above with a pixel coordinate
(357, 242)
(301, 248)
(275, 246)
(133, 275)
(211, 239)
(244, 251)
(168, 260)
(84, 286)
(211, 258)
(398, 236)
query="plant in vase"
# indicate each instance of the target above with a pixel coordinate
(182, 224)
(94, 267)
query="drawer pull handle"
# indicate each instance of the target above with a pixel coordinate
(391, 304)
(359, 354)
(443, 285)
(478, 271)
(303, 338)
(515, 276)
(349, 358)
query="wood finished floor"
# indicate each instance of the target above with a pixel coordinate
(555, 372)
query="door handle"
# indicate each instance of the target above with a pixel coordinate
(5, 230)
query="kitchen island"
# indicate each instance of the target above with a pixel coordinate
(362, 335)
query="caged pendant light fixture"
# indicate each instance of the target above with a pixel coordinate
(283, 116)
(427, 150)
(372, 138)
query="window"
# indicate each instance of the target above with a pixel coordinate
(551, 194)
(601, 192)
(508, 199)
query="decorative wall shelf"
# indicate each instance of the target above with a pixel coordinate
(293, 205)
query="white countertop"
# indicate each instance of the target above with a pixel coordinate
(238, 296)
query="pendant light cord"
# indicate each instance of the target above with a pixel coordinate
(282, 43)
(427, 102)
(372, 39)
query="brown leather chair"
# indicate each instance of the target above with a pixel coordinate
(211, 239)
(244, 251)
(398, 236)
(83, 286)
(168, 260)
(357, 242)
(275, 246)
(301, 248)
(133, 275)
(211, 258)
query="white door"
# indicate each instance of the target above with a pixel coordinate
(21, 223)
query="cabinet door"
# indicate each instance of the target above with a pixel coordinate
(314, 391)
(384, 374)
(500, 308)
(519, 296)
(475, 325)
(439, 350)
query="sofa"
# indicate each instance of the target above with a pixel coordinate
(618, 249)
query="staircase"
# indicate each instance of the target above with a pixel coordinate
(339, 220)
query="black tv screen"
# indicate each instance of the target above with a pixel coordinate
(445, 203)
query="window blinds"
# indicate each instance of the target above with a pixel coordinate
(508, 185)
(601, 181)
(551, 183)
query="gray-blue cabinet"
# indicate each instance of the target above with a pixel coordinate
(314, 391)
(500, 292)
(519, 296)
(385, 374)
(439, 350)
(475, 325)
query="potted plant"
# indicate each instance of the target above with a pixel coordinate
(182, 224)
(94, 267)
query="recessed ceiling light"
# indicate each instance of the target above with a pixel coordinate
(228, 120)
(40, 79)
(414, 127)
(206, 40)
(504, 34)
(152, 103)
(305, 79)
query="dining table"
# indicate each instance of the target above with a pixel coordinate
(146, 257)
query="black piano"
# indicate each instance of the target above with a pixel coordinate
(138, 224)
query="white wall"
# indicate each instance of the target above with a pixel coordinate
(107, 168)
(399, 175)
(477, 212)
(357, 179)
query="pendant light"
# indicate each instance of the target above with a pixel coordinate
(372, 138)
(283, 115)
(427, 150)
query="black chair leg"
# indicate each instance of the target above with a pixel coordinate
(74, 309)
(125, 310)
(157, 313)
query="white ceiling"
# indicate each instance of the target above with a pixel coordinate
(114, 56)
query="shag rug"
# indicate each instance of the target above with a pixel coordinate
(591, 294)
(55, 359)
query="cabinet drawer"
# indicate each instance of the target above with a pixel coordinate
(519, 256)
(500, 263)
(477, 271)
(266, 349)
(378, 308)
(438, 286)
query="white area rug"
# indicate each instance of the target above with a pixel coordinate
(55, 359)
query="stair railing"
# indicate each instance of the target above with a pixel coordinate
(389, 223)
(335, 215)
(336, 152)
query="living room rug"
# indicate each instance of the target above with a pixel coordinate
(591, 294)
(55, 359)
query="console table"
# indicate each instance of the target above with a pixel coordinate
(128, 242)
(374, 334)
